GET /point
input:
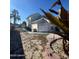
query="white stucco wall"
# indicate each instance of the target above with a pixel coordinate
(34, 26)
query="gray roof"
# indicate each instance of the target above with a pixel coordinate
(34, 16)
(41, 20)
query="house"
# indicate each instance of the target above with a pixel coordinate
(32, 18)
(39, 23)
(43, 25)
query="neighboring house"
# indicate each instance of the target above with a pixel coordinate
(32, 18)
(23, 25)
(43, 25)
(38, 23)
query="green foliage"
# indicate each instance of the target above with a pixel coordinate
(15, 15)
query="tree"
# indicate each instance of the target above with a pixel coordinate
(15, 15)
(23, 24)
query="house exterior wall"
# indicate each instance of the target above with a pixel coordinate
(43, 27)
(34, 27)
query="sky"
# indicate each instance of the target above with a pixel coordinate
(29, 7)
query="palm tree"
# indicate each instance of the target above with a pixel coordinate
(15, 15)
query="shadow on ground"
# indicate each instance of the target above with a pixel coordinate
(16, 48)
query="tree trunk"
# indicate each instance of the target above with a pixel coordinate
(14, 21)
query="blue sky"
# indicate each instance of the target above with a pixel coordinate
(28, 7)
